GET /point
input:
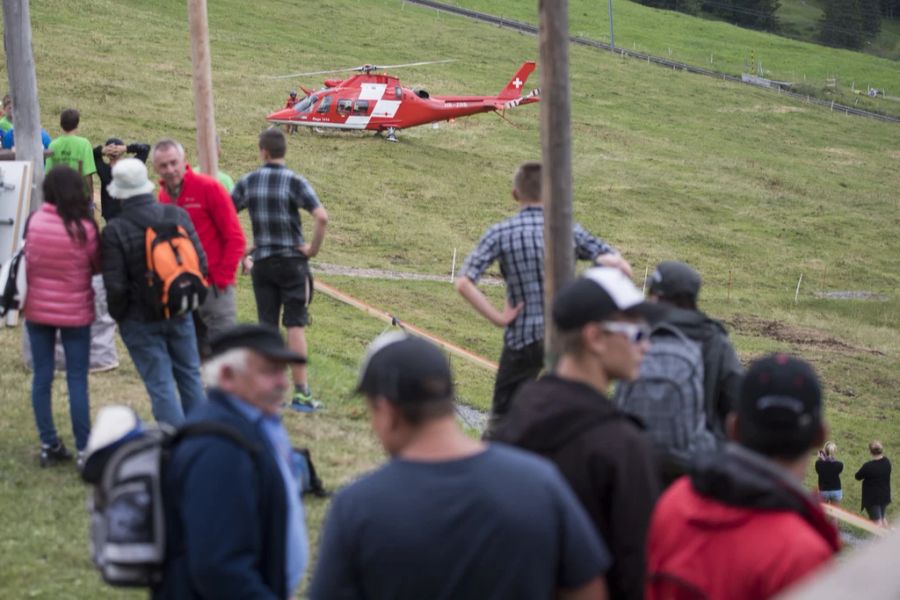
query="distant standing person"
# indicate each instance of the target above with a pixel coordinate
(73, 150)
(217, 225)
(289, 103)
(676, 286)
(829, 468)
(112, 151)
(876, 484)
(274, 196)
(223, 177)
(164, 351)
(517, 244)
(62, 250)
(9, 134)
(6, 120)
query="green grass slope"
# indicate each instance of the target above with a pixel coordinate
(752, 189)
(723, 47)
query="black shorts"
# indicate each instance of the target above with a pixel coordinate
(877, 511)
(280, 281)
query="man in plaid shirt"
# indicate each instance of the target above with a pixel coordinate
(518, 245)
(274, 195)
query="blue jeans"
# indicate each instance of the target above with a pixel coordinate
(831, 495)
(76, 343)
(165, 355)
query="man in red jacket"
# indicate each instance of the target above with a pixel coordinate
(218, 228)
(742, 527)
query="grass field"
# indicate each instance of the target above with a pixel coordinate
(752, 189)
(727, 48)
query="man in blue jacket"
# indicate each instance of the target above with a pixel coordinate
(235, 523)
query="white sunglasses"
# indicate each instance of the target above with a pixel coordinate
(634, 332)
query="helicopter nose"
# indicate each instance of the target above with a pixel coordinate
(281, 115)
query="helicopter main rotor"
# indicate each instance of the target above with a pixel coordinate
(368, 68)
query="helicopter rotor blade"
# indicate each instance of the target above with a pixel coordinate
(314, 73)
(415, 64)
(362, 68)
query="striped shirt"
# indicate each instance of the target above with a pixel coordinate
(518, 245)
(273, 195)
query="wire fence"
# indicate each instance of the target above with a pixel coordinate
(652, 59)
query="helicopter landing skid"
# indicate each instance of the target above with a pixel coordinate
(392, 135)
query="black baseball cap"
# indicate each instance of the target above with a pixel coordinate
(405, 369)
(597, 295)
(114, 140)
(780, 406)
(673, 278)
(262, 339)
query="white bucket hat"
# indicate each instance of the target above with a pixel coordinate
(129, 179)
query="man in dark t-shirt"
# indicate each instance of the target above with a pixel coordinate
(449, 516)
(113, 150)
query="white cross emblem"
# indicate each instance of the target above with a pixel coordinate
(517, 83)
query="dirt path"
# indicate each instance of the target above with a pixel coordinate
(384, 274)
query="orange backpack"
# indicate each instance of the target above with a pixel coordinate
(175, 282)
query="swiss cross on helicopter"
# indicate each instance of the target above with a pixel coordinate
(378, 102)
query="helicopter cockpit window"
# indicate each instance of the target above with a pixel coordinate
(325, 105)
(344, 106)
(306, 104)
(361, 107)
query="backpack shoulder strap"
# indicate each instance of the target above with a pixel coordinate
(217, 429)
(668, 329)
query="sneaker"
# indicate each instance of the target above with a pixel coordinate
(304, 402)
(54, 454)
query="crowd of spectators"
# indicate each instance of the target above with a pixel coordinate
(569, 494)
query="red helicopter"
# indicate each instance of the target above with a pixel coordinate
(377, 101)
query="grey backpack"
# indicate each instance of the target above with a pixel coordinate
(126, 505)
(667, 396)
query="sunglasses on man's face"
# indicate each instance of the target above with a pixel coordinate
(634, 332)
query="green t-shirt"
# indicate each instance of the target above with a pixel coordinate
(5, 124)
(226, 181)
(72, 150)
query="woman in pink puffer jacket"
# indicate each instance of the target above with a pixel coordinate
(62, 252)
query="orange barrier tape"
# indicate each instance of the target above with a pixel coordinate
(389, 318)
(851, 519)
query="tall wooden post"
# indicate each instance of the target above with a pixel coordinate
(203, 91)
(556, 152)
(23, 89)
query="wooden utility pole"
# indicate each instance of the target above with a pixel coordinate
(23, 89)
(203, 90)
(556, 154)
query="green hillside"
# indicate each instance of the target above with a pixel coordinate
(727, 48)
(751, 188)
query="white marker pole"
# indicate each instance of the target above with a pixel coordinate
(644, 285)
(453, 266)
(797, 293)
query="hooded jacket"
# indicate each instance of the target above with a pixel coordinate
(722, 371)
(604, 456)
(739, 528)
